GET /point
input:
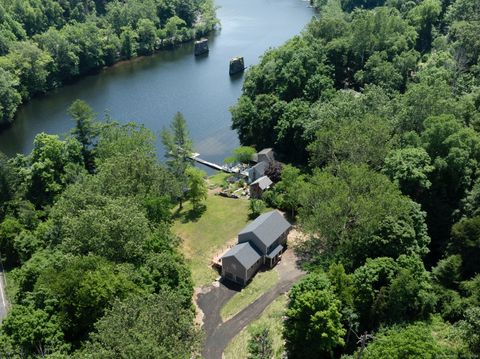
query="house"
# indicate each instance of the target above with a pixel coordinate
(259, 186)
(261, 242)
(262, 161)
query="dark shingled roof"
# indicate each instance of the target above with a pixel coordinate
(275, 251)
(263, 182)
(260, 168)
(245, 253)
(267, 227)
(266, 155)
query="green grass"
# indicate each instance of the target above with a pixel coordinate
(218, 179)
(205, 236)
(272, 318)
(261, 283)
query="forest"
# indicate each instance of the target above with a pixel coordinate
(85, 232)
(47, 43)
(375, 108)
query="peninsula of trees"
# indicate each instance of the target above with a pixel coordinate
(47, 43)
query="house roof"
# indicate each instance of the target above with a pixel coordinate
(260, 168)
(263, 182)
(275, 251)
(245, 253)
(267, 227)
(265, 151)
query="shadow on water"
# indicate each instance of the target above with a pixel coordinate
(201, 57)
(237, 77)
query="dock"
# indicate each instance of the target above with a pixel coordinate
(196, 157)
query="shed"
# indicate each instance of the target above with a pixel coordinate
(259, 186)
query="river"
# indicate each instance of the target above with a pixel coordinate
(150, 90)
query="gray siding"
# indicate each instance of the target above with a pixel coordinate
(232, 266)
(253, 269)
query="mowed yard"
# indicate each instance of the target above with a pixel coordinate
(207, 235)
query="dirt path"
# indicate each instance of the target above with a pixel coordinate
(3, 298)
(219, 334)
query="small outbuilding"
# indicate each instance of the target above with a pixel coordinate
(255, 172)
(259, 186)
(262, 161)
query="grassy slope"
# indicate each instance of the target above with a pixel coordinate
(204, 237)
(261, 283)
(271, 317)
(218, 179)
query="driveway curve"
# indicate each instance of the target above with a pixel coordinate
(218, 333)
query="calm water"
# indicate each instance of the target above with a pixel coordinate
(150, 90)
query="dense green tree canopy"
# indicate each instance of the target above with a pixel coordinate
(52, 165)
(417, 340)
(361, 214)
(409, 168)
(166, 330)
(113, 228)
(313, 325)
(80, 289)
(466, 242)
(32, 330)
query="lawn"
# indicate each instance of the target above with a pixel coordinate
(272, 318)
(207, 235)
(261, 283)
(218, 179)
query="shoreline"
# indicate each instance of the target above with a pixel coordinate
(4, 125)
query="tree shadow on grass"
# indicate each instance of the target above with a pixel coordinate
(192, 215)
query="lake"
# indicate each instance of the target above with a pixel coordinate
(151, 90)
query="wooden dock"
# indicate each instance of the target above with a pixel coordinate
(196, 157)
